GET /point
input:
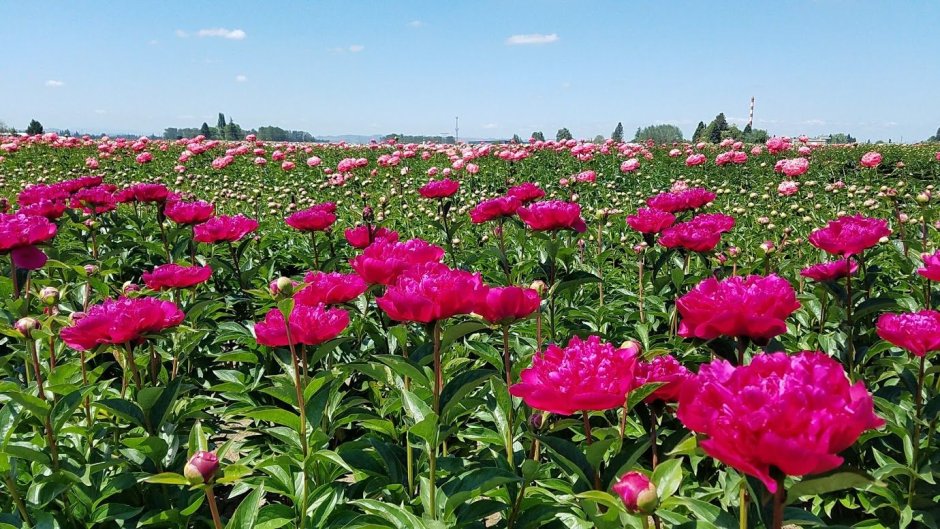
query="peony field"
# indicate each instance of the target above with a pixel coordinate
(562, 334)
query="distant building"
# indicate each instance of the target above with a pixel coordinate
(818, 140)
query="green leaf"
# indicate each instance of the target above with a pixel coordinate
(164, 403)
(459, 387)
(667, 477)
(414, 407)
(233, 473)
(167, 478)
(637, 395)
(838, 480)
(125, 409)
(570, 457)
(602, 498)
(275, 415)
(247, 511)
(455, 332)
(397, 516)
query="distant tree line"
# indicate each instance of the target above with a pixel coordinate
(719, 129)
(935, 137)
(408, 138)
(229, 130)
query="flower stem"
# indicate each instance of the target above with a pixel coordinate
(780, 497)
(14, 278)
(641, 288)
(316, 254)
(850, 346)
(654, 423)
(915, 438)
(588, 440)
(438, 376)
(742, 348)
(17, 499)
(133, 365)
(507, 367)
(213, 508)
(301, 407)
(743, 503)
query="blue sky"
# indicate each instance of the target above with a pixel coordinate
(504, 67)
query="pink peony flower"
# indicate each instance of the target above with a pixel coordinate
(586, 375)
(701, 234)
(224, 228)
(794, 413)
(495, 208)
(331, 288)
(309, 325)
(692, 198)
(667, 370)
(383, 261)
(917, 332)
(363, 235)
(316, 218)
(871, 159)
(19, 235)
(439, 188)
(171, 276)
(432, 292)
(508, 304)
(647, 220)
(551, 215)
(188, 213)
(931, 268)
(526, 192)
(830, 271)
(120, 321)
(753, 307)
(850, 235)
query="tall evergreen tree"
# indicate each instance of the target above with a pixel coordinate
(34, 127)
(720, 125)
(699, 130)
(205, 130)
(617, 135)
(516, 138)
(538, 136)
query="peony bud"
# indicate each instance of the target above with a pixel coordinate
(201, 468)
(922, 198)
(26, 326)
(282, 286)
(538, 285)
(91, 269)
(637, 492)
(49, 295)
(129, 287)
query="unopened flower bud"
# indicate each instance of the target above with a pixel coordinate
(26, 326)
(282, 286)
(49, 295)
(202, 467)
(129, 287)
(91, 269)
(922, 198)
(638, 493)
(538, 285)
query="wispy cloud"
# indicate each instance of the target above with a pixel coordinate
(354, 48)
(490, 126)
(52, 83)
(416, 24)
(532, 38)
(241, 78)
(231, 34)
(814, 122)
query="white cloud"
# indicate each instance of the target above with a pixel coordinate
(241, 78)
(181, 34)
(231, 34)
(532, 38)
(52, 83)
(490, 126)
(415, 24)
(356, 48)
(814, 122)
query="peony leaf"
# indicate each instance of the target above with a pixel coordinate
(247, 511)
(839, 480)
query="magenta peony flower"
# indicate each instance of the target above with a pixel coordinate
(648, 220)
(309, 325)
(439, 188)
(495, 208)
(553, 215)
(382, 262)
(665, 369)
(119, 321)
(830, 271)
(674, 202)
(98, 199)
(586, 375)
(701, 234)
(51, 209)
(638, 493)
(19, 235)
(170, 276)
(931, 268)
(431, 292)
(849, 235)
(695, 159)
(917, 332)
(188, 213)
(754, 307)
(143, 193)
(793, 413)
(508, 304)
(526, 192)
(224, 228)
(871, 159)
(316, 218)
(331, 288)
(364, 235)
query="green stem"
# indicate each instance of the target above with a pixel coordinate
(17, 499)
(213, 508)
(301, 407)
(133, 365)
(780, 497)
(507, 367)
(915, 438)
(743, 501)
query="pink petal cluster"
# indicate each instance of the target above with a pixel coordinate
(692, 198)
(830, 271)
(119, 321)
(507, 304)
(439, 188)
(754, 307)
(383, 261)
(792, 413)
(495, 208)
(363, 235)
(849, 235)
(224, 228)
(432, 292)
(584, 376)
(330, 288)
(309, 325)
(649, 220)
(171, 276)
(551, 215)
(917, 332)
(701, 234)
